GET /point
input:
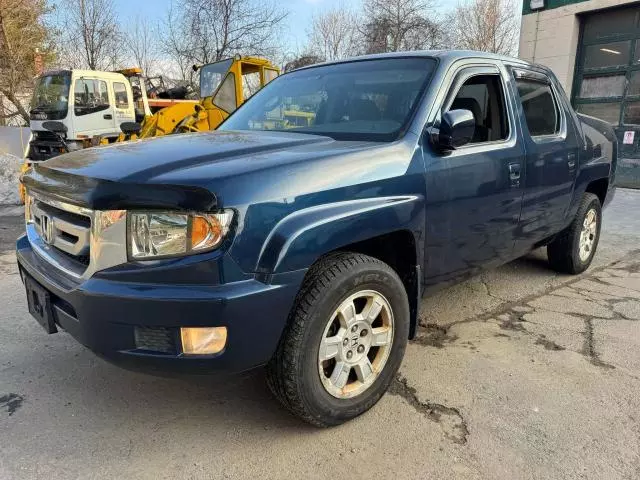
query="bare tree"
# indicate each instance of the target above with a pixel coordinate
(486, 25)
(396, 25)
(142, 43)
(89, 34)
(23, 44)
(204, 31)
(333, 35)
(174, 44)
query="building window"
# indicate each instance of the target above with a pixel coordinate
(603, 86)
(607, 82)
(607, 55)
(609, 112)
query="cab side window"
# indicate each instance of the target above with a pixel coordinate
(539, 106)
(90, 96)
(226, 96)
(120, 92)
(483, 96)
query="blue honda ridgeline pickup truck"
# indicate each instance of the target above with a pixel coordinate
(302, 234)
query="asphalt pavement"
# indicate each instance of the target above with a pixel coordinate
(518, 373)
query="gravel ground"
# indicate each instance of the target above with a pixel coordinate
(518, 373)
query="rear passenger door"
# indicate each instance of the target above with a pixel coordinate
(552, 157)
(474, 223)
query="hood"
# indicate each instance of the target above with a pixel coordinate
(171, 171)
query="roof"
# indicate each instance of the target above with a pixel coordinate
(83, 73)
(447, 55)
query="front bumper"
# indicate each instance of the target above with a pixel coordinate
(107, 311)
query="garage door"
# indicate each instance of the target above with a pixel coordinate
(607, 81)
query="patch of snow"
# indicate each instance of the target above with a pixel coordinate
(9, 173)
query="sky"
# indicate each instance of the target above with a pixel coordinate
(296, 24)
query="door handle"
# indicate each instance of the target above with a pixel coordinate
(571, 160)
(107, 116)
(514, 174)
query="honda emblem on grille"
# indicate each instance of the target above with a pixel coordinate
(46, 225)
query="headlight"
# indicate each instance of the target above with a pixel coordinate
(156, 234)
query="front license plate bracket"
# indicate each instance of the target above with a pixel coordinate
(39, 301)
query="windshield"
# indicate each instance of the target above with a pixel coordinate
(211, 75)
(51, 97)
(368, 100)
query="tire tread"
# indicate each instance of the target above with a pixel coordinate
(560, 251)
(281, 377)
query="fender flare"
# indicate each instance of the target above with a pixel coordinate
(299, 239)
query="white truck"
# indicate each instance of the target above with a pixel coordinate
(85, 105)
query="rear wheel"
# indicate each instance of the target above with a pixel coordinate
(572, 251)
(344, 342)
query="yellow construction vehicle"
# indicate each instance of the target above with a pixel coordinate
(224, 86)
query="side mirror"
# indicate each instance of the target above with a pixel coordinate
(130, 128)
(456, 129)
(55, 127)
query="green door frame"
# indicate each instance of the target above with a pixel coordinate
(627, 70)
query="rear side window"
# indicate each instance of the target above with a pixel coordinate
(540, 107)
(120, 92)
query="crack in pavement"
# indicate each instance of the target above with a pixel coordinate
(513, 321)
(511, 315)
(589, 348)
(433, 335)
(548, 344)
(485, 283)
(450, 419)
(509, 306)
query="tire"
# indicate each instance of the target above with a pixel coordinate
(310, 388)
(564, 252)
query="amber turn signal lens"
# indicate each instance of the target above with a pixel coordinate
(201, 230)
(207, 231)
(204, 340)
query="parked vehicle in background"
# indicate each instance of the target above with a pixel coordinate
(308, 249)
(87, 103)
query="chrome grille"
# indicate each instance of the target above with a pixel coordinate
(76, 240)
(62, 229)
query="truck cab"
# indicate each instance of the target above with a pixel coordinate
(88, 103)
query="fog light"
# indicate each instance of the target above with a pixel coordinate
(203, 341)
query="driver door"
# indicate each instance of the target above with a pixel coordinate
(474, 193)
(93, 107)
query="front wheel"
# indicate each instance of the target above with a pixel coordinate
(572, 251)
(344, 342)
